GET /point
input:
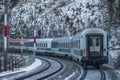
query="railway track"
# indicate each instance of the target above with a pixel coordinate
(45, 65)
(54, 67)
(91, 73)
(60, 69)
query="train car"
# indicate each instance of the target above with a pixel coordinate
(15, 45)
(30, 45)
(94, 45)
(61, 46)
(76, 47)
(42, 45)
(64, 46)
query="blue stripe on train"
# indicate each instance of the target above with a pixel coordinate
(64, 50)
(78, 52)
(48, 49)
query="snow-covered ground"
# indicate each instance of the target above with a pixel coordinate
(33, 66)
(114, 61)
(114, 58)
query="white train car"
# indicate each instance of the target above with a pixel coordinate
(93, 45)
(42, 45)
(17, 44)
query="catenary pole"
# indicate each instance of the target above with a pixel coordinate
(5, 35)
(34, 14)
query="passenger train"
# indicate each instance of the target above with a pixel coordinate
(88, 47)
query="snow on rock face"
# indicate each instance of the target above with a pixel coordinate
(114, 58)
(61, 19)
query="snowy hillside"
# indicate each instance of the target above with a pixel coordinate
(57, 18)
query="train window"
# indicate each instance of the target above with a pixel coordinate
(79, 44)
(91, 41)
(66, 45)
(97, 41)
(59, 45)
(43, 45)
(40, 44)
(75, 44)
(37, 45)
(46, 45)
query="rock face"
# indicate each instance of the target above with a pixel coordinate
(114, 58)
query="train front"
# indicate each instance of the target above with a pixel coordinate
(96, 45)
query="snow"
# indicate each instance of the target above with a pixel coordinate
(93, 74)
(114, 58)
(33, 66)
(118, 73)
(70, 76)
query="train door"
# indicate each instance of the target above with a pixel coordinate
(95, 45)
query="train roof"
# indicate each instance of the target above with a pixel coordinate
(17, 40)
(93, 30)
(41, 40)
(62, 39)
(44, 40)
(88, 31)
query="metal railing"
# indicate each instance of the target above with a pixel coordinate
(13, 63)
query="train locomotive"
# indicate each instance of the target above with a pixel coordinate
(88, 47)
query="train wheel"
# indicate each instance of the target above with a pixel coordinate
(97, 65)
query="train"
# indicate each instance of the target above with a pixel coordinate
(88, 47)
